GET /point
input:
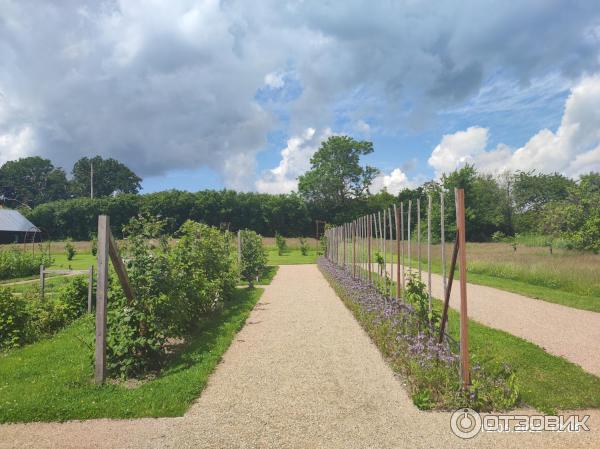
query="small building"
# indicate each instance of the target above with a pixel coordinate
(15, 228)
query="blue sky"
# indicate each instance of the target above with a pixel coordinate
(212, 94)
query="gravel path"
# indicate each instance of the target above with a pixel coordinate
(564, 331)
(301, 374)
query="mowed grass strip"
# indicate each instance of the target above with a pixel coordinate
(291, 256)
(545, 381)
(52, 380)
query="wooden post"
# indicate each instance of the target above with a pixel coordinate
(102, 297)
(429, 250)
(384, 236)
(369, 225)
(119, 267)
(239, 247)
(443, 241)
(419, 235)
(391, 253)
(402, 239)
(464, 330)
(398, 261)
(354, 224)
(448, 289)
(42, 282)
(90, 288)
(409, 248)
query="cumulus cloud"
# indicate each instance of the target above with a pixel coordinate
(295, 160)
(393, 183)
(172, 84)
(573, 149)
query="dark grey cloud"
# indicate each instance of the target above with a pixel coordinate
(167, 85)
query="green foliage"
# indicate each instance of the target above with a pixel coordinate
(26, 318)
(32, 181)
(336, 177)
(304, 246)
(254, 257)
(110, 177)
(416, 295)
(174, 286)
(70, 249)
(281, 243)
(94, 245)
(16, 264)
(14, 316)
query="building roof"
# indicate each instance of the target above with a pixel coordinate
(13, 221)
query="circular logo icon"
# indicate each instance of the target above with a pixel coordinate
(465, 423)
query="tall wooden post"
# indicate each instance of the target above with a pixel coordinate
(42, 282)
(443, 242)
(391, 253)
(102, 297)
(90, 288)
(398, 261)
(419, 235)
(369, 226)
(464, 330)
(239, 247)
(384, 236)
(354, 223)
(429, 250)
(409, 248)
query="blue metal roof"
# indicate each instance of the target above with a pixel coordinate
(13, 221)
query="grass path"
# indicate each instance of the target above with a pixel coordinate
(300, 374)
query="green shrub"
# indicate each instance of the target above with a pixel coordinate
(254, 258)
(74, 294)
(94, 245)
(281, 243)
(16, 264)
(304, 246)
(70, 250)
(174, 287)
(14, 316)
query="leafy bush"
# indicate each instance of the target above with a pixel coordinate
(15, 264)
(416, 295)
(254, 258)
(14, 316)
(70, 249)
(281, 243)
(94, 245)
(498, 237)
(304, 246)
(174, 286)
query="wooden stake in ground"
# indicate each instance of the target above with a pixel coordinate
(402, 249)
(391, 254)
(409, 248)
(385, 279)
(239, 248)
(429, 250)
(369, 249)
(443, 242)
(419, 235)
(464, 331)
(448, 290)
(354, 249)
(102, 297)
(90, 288)
(42, 282)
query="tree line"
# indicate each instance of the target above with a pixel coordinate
(336, 189)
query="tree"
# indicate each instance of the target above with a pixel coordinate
(110, 177)
(32, 181)
(336, 178)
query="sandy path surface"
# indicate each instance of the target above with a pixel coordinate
(564, 331)
(301, 374)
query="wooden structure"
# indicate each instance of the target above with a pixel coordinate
(107, 249)
(89, 272)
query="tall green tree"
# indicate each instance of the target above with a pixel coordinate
(336, 179)
(110, 177)
(32, 181)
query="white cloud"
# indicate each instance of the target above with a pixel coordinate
(17, 144)
(393, 183)
(574, 147)
(274, 80)
(295, 160)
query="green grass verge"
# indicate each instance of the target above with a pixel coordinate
(554, 295)
(545, 381)
(290, 257)
(81, 261)
(52, 380)
(266, 277)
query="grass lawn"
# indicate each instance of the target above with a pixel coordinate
(266, 277)
(81, 261)
(51, 380)
(545, 381)
(291, 256)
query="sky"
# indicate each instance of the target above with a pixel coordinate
(237, 94)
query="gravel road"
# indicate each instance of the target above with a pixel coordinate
(301, 374)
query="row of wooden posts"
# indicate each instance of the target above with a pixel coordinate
(352, 245)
